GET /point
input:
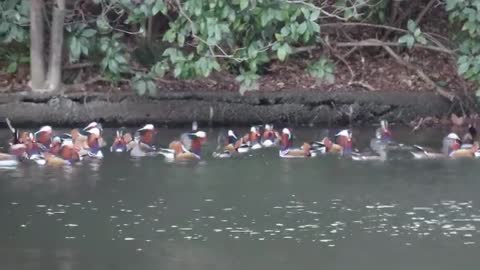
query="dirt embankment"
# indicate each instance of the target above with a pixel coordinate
(222, 109)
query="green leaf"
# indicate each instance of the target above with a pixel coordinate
(159, 6)
(302, 28)
(243, 4)
(463, 67)
(89, 33)
(315, 15)
(417, 32)
(152, 88)
(177, 71)
(141, 87)
(451, 4)
(407, 39)
(422, 40)
(12, 67)
(412, 26)
(283, 51)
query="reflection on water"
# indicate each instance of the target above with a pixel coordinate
(253, 212)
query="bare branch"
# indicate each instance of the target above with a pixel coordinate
(376, 43)
(420, 73)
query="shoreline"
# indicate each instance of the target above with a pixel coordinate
(218, 109)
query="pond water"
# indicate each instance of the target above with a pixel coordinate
(254, 212)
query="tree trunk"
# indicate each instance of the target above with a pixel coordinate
(149, 30)
(37, 65)
(56, 47)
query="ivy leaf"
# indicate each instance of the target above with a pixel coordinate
(88, 33)
(159, 6)
(283, 51)
(12, 67)
(302, 28)
(141, 87)
(412, 26)
(463, 68)
(421, 40)
(243, 4)
(451, 4)
(408, 40)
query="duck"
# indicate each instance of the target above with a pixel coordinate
(229, 145)
(383, 137)
(344, 139)
(251, 141)
(122, 142)
(143, 145)
(43, 138)
(270, 137)
(450, 144)
(286, 150)
(94, 144)
(188, 147)
(67, 154)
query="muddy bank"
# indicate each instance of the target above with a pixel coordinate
(222, 109)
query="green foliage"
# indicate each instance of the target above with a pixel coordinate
(466, 13)
(241, 33)
(14, 58)
(248, 81)
(79, 41)
(413, 36)
(14, 20)
(114, 61)
(144, 84)
(323, 69)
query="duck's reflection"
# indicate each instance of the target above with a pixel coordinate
(46, 181)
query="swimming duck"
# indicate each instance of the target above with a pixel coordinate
(144, 142)
(286, 144)
(252, 140)
(43, 138)
(94, 144)
(450, 143)
(230, 145)
(122, 142)
(270, 136)
(68, 154)
(344, 140)
(189, 146)
(383, 137)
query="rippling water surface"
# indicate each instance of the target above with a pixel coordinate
(253, 212)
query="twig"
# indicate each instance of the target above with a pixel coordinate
(376, 42)
(420, 73)
(424, 11)
(418, 125)
(362, 84)
(317, 8)
(372, 25)
(79, 65)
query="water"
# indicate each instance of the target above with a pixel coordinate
(257, 212)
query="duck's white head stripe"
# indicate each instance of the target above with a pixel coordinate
(453, 136)
(94, 131)
(147, 127)
(67, 143)
(345, 133)
(47, 129)
(91, 125)
(201, 134)
(231, 133)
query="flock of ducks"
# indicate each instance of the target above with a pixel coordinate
(46, 147)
